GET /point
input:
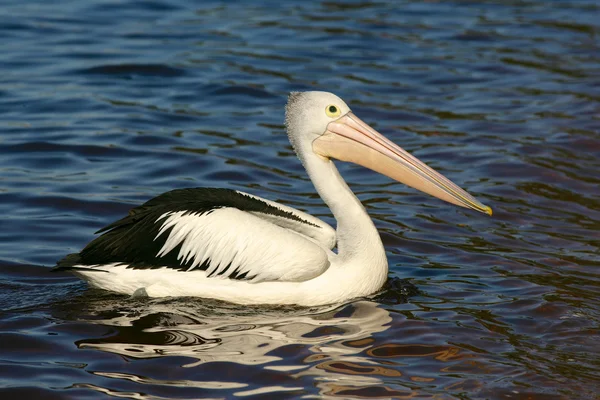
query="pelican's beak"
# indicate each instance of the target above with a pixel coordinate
(350, 139)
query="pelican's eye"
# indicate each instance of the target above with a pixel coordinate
(332, 111)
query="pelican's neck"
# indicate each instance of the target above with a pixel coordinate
(358, 241)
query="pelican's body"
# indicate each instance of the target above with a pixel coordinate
(229, 245)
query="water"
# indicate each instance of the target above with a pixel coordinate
(105, 104)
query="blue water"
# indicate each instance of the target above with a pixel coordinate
(105, 104)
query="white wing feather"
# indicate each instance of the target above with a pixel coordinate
(237, 241)
(320, 231)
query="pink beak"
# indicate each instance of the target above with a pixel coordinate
(350, 139)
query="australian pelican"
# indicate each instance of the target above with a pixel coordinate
(233, 246)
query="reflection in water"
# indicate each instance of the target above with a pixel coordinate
(328, 342)
(172, 331)
(356, 350)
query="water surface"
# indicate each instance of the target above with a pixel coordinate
(105, 104)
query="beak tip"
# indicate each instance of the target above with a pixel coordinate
(488, 210)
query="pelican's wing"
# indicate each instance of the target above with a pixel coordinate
(225, 233)
(316, 229)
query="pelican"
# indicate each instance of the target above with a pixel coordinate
(233, 246)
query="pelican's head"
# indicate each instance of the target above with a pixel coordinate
(307, 114)
(322, 123)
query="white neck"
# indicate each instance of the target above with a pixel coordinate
(358, 241)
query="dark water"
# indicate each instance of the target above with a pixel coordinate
(104, 104)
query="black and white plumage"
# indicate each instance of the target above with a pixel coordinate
(187, 230)
(229, 245)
